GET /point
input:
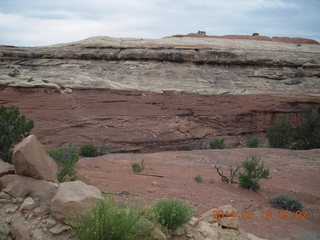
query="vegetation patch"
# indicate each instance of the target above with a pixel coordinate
(172, 213)
(198, 179)
(66, 158)
(110, 220)
(13, 128)
(253, 171)
(14, 73)
(138, 167)
(253, 142)
(218, 144)
(280, 133)
(287, 203)
(88, 151)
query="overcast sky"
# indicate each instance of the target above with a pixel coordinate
(44, 22)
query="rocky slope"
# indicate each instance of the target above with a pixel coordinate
(182, 90)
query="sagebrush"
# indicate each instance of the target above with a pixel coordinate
(253, 142)
(110, 220)
(138, 167)
(172, 213)
(13, 127)
(285, 202)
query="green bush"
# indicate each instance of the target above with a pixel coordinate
(198, 179)
(187, 148)
(13, 127)
(280, 133)
(218, 144)
(138, 166)
(88, 151)
(172, 213)
(285, 202)
(252, 142)
(66, 157)
(110, 220)
(252, 173)
(308, 132)
(14, 73)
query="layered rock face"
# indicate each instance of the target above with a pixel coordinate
(182, 91)
(194, 65)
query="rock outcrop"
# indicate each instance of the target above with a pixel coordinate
(6, 168)
(159, 94)
(21, 186)
(31, 160)
(72, 198)
(193, 65)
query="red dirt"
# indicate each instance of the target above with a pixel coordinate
(295, 173)
(262, 38)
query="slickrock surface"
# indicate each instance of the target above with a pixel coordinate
(193, 65)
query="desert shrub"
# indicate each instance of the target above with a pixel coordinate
(255, 34)
(138, 166)
(253, 171)
(308, 132)
(198, 179)
(280, 133)
(218, 144)
(252, 142)
(13, 127)
(285, 202)
(14, 73)
(88, 151)
(187, 148)
(65, 157)
(172, 213)
(110, 220)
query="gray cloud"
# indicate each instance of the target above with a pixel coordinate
(41, 22)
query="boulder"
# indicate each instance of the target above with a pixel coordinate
(28, 204)
(208, 230)
(229, 222)
(21, 186)
(6, 168)
(20, 231)
(208, 216)
(31, 160)
(228, 210)
(72, 198)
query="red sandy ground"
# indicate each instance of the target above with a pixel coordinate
(295, 173)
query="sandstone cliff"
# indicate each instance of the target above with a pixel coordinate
(183, 90)
(193, 65)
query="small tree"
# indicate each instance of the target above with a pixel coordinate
(13, 127)
(308, 132)
(280, 133)
(253, 172)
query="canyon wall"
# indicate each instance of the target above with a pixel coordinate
(150, 95)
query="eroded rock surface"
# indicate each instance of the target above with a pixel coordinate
(140, 121)
(193, 65)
